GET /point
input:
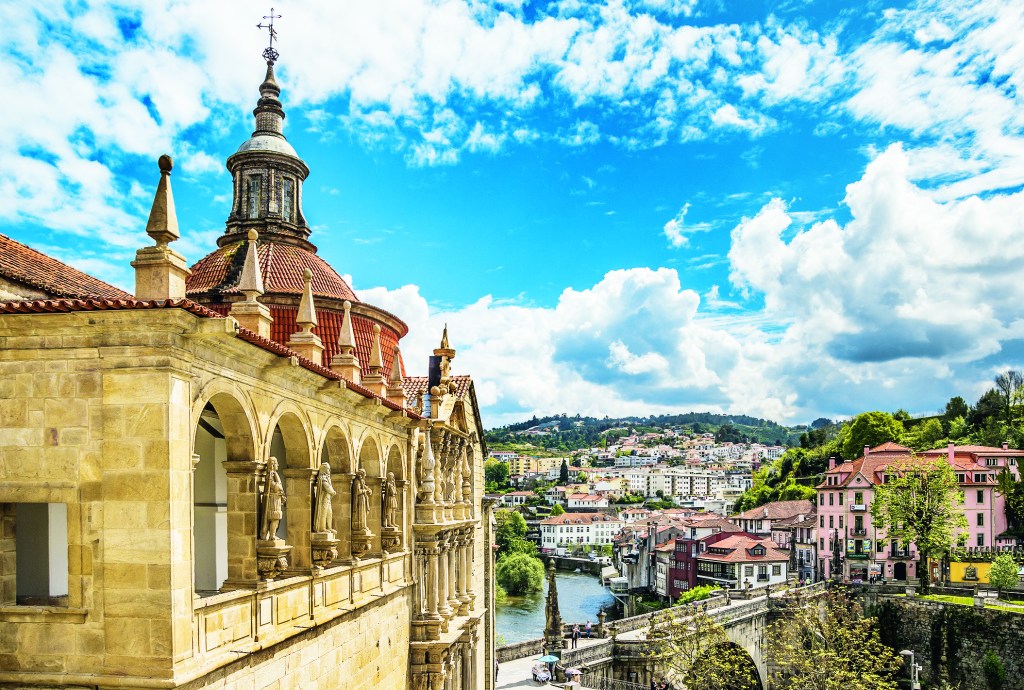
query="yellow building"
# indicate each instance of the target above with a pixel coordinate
(522, 464)
(227, 480)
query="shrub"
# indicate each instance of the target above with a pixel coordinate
(995, 673)
(698, 593)
(519, 573)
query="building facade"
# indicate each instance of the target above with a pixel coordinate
(228, 479)
(845, 525)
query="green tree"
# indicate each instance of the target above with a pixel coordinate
(496, 475)
(695, 651)
(958, 428)
(926, 435)
(519, 574)
(510, 533)
(828, 644)
(557, 510)
(1004, 572)
(1012, 490)
(956, 407)
(988, 407)
(870, 429)
(563, 473)
(920, 502)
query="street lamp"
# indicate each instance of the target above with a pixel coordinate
(915, 683)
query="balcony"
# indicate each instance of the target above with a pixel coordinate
(858, 555)
(858, 507)
(900, 553)
(859, 531)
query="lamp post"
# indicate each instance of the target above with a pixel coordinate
(914, 668)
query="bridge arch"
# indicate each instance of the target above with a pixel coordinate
(743, 672)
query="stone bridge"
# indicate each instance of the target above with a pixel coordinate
(620, 657)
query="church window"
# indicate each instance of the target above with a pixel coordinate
(287, 199)
(34, 552)
(253, 197)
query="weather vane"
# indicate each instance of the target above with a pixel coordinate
(270, 55)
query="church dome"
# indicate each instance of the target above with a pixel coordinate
(281, 266)
(266, 142)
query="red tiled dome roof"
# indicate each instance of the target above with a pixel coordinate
(281, 265)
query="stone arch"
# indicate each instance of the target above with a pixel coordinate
(370, 462)
(749, 675)
(222, 432)
(289, 442)
(336, 450)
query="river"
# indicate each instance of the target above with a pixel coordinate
(580, 597)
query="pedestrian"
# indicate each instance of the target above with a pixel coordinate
(575, 635)
(654, 684)
(588, 629)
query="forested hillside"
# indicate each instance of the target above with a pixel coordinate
(997, 416)
(560, 433)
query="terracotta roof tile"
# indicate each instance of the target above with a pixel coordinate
(62, 306)
(777, 510)
(416, 386)
(33, 268)
(280, 264)
(740, 546)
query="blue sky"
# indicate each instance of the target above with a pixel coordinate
(789, 209)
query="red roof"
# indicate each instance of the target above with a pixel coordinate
(329, 329)
(777, 510)
(737, 548)
(578, 519)
(416, 386)
(63, 306)
(25, 265)
(280, 264)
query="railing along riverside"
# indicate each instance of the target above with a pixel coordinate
(593, 682)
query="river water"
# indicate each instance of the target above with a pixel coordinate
(580, 597)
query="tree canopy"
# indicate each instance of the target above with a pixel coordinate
(510, 534)
(520, 573)
(496, 474)
(829, 645)
(870, 429)
(919, 502)
(1004, 572)
(695, 651)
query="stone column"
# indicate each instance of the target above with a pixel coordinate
(430, 583)
(462, 561)
(243, 478)
(298, 485)
(442, 581)
(453, 576)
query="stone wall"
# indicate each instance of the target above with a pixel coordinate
(950, 640)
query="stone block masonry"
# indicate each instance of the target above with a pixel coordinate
(950, 640)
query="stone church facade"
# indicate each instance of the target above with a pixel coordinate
(228, 479)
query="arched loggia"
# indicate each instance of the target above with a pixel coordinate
(290, 445)
(336, 453)
(222, 433)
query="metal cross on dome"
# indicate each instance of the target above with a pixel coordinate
(269, 54)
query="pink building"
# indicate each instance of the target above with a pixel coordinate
(844, 505)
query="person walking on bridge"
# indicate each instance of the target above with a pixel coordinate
(575, 635)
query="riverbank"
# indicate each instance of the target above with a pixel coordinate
(580, 597)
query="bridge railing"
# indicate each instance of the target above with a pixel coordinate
(593, 682)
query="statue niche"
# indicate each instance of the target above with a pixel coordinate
(324, 539)
(361, 533)
(391, 533)
(271, 552)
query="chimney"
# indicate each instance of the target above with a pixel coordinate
(832, 462)
(950, 453)
(160, 271)
(867, 452)
(1006, 445)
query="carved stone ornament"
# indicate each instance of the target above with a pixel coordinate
(325, 549)
(271, 558)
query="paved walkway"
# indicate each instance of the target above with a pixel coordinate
(516, 673)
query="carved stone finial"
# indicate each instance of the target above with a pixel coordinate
(163, 221)
(347, 338)
(251, 281)
(306, 318)
(376, 356)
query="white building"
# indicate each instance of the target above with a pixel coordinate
(587, 501)
(578, 528)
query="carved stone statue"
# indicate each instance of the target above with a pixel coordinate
(323, 514)
(390, 502)
(360, 503)
(273, 502)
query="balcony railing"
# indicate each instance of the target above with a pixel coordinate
(899, 553)
(859, 531)
(858, 507)
(858, 554)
